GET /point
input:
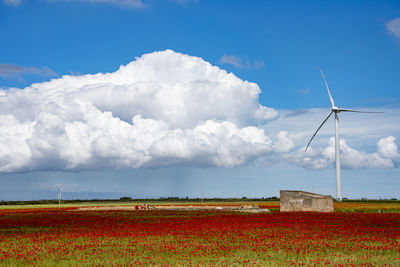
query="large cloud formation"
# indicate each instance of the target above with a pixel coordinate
(387, 156)
(164, 108)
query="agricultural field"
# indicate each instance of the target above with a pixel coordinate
(52, 236)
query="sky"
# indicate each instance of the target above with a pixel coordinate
(176, 98)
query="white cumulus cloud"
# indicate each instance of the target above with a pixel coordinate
(387, 148)
(283, 143)
(163, 109)
(321, 158)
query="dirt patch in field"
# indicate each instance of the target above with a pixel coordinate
(245, 208)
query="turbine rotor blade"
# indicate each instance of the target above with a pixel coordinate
(327, 88)
(318, 129)
(359, 111)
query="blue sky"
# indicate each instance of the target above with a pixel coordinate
(276, 45)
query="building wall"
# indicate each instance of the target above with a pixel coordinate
(305, 201)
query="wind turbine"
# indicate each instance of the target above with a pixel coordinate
(335, 110)
(59, 188)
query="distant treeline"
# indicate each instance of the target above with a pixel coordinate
(129, 199)
(173, 199)
(392, 200)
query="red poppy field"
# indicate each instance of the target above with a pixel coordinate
(61, 237)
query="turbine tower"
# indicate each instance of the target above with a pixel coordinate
(336, 110)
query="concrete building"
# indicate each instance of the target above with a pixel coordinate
(305, 201)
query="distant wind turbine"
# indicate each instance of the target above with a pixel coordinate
(335, 110)
(59, 188)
